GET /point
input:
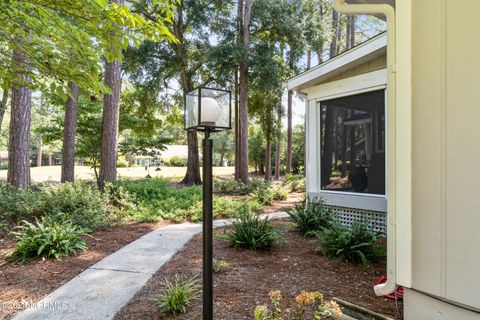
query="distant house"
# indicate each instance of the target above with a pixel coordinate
(406, 109)
(3, 157)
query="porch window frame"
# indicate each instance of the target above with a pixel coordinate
(364, 83)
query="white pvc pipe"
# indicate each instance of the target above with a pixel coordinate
(389, 12)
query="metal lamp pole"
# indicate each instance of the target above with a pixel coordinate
(207, 228)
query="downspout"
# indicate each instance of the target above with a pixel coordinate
(389, 12)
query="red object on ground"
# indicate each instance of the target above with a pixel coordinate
(397, 295)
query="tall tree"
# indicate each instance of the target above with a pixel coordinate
(19, 141)
(193, 60)
(111, 117)
(69, 135)
(54, 42)
(245, 13)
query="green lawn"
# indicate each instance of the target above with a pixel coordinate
(52, 173)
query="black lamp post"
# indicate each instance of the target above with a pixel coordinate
(208, 110)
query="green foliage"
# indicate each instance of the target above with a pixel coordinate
(178, 294)
(280, 193)
(79, 202)
(48, 238)
(176, 161)
(220, 265)
(295, 182)
(230, 187)
(252, 232)
(4, 166)
(312, 215)
(67, 40)
(122, 163)
(298, 149)
(264, 195)
(358, 244)
(158, 199)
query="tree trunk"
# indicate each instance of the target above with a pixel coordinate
(333, 44)
(39, 151)
(243, 104)
(19, 141)
(50, 159)
(222, 157)
(69, 133)
(309, 59)
(193, 164)
(278, 146)
(110, 122)
(237, 132)
(352, 31)
(268, 159)
(289, 132)
(3, 106)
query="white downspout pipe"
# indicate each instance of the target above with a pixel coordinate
(389, 12)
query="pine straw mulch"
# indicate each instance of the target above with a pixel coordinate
(291, 266)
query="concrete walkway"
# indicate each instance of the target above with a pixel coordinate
(103, 289)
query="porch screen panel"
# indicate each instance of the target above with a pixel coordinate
(353, 143)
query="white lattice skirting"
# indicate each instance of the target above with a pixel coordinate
(377, 220)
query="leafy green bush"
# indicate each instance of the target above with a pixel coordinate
(47, 238)
(19, 204)
(252, 232)
(312, 215)
(263, 195)
(295, 182)
(4, 166)
(358, 244)
(280, 193)
(178, 295)
(79, 202)
(230, 187)
(176, 161)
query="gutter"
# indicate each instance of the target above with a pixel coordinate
(389, 12)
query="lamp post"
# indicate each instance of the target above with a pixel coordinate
(208, 110)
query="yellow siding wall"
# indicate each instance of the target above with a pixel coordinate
(374, 65)
(446, 149)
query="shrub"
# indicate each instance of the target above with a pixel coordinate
(177, 161)
(295, 182)
(264, 195)
(48, 238)
(4, 166)
(79, 202)
(178, 295)
(358, 244)
(311, 215)
(19, 204)
(280, 194)
(230, 187)
(252, 232)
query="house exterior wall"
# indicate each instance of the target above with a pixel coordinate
(369, 66)
(445, 104)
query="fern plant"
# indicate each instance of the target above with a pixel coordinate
(47, 238)
(311, 215)
(358, 244)
(252, 232)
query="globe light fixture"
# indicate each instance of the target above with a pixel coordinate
(208, 110)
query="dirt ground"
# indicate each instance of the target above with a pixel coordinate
(291, 266)
(32, 281)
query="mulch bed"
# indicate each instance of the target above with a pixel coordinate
(291, 266)
(33, 280)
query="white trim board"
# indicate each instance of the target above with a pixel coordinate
(358, 55)
(371, 81)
